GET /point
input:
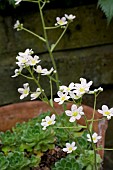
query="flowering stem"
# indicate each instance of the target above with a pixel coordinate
(48, 28)
(93, 145)
(106, 149)
(37, 83)
(54, 45)
(26, 76)
(94, 109)
(39, 37)
(95, 120)
(51, 87)
(71, 127)
(48, 47)
(31, 1)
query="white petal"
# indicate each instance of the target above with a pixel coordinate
(72, 119)
(105, 108)
(73, 107)
(68, 113)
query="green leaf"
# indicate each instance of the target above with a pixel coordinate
(107, 8)
(3, 162)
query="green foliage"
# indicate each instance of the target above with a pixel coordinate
(83, 161)
(86, 160)
(23, 147)
(67, 164)
(107, 8)
(25, 144)
(63, 135)
(3, 162)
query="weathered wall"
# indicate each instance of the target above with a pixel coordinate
(85, 51)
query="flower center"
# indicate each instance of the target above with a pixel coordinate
(107, 113)
(33, 61)
(61, 22)
(94, 138)
(82, 89)
(75, 113)
(25, 91)
(70, 148)
(63, 98)
(49, 122)
(23, 60)
(68, 89)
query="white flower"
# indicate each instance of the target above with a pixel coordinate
(70, 147)
(17, 72)
(33, 60)
(47, 72)
(44, 71)
(106, 111)
(17, 2)
(38, 69)
(61, 21)
(70, 17)
(28, 52)
(74, 113)
(73, 96)
(22, 61)
(18, 25)
(62, 97)
(24, 91)
(67, 89)
(83, 87)
(24, 58)
(48, 121)
(100, 89)
(95, 137)
(36, 94)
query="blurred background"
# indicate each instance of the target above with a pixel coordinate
(86, 49)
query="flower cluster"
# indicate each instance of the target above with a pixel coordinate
(25, 60)
(73, 91)
(62, 21)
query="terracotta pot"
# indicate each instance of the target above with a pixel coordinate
(11, 114)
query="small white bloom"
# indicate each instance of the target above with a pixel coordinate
(95, 137)
(70, 147)
(24, 91)
(24, 58)
(83, 87)
(48, 121)
(67, 89)
(61, 21)
(38, 69)
(100, 89)
(70, 17)
(17, 72)
(33, 60)
(18, 25)
(47, 72)
(106, 111)
(28, 52)
(62, 97)
(74, 113)
(22, 61)
(36, 94)
(74, 96)
(17, 2)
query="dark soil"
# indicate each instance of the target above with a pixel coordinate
(50, 157)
